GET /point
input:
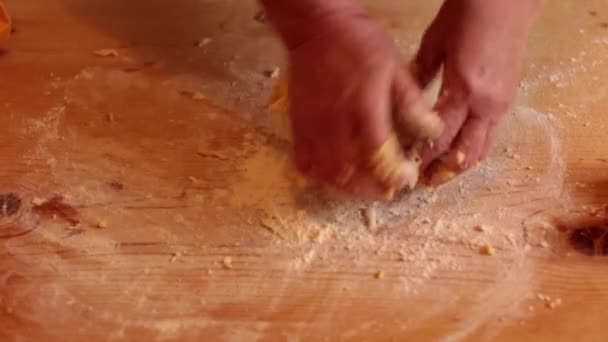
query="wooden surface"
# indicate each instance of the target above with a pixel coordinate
(210, 234)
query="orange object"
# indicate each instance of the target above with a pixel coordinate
(5, 24)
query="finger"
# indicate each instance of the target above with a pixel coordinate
(466, 152)
(322, 156)
(362, 186)
(469, 146)
(431, 53)
(453, 113)
(383, 157)
(413, 114)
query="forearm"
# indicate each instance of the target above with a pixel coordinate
(296, 20)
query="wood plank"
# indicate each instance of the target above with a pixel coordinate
(211, 234)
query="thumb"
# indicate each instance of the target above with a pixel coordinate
(412, 112)
(431, 53)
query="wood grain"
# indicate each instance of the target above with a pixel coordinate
(209, 235)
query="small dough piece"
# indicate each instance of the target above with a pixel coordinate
(460, 157)
(227, 262)
(369, 217)
(106, 53)
(389, 165)
(274, 73)
(442, 175)
(203, 42)
(487, 250)
(193, 94)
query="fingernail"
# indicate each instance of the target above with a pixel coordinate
(411, 172)
(455, 160)
(460, 158)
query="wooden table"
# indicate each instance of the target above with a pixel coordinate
(144, 196)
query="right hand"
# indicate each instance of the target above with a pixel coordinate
(480, 45)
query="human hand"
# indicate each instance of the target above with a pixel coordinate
(349, 94)
(479, 44)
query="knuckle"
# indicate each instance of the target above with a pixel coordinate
(487, 95)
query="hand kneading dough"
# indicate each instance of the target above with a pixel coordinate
(389, 162)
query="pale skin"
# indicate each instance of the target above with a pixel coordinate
(347, 81)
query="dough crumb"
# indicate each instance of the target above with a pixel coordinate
(549, 302)
(389, 195)
(198, 96)
(554, 303)
(510, 154)
(487, 250)
(379, 275)
(37, 201)
(203, 42)
(482, 228)
(460, 157)
(544, 244)
(103, 224)
(194, 95)
(443, 175)
(106, 53)
(369, 218)
(175, 256)
(595, 212)
(274, 73)
(110, 118)
(227, 262)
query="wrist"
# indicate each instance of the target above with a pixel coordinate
(298, 20)
(527, 8)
